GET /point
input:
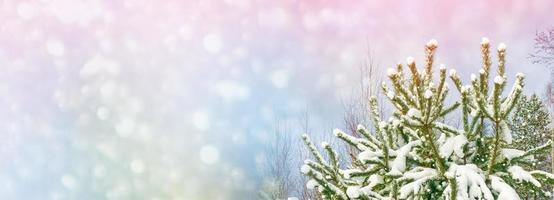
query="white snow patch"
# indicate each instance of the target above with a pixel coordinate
(485, 41)
(506, 132)
(410, 60)
(324, 144)
(473, 77)
(305, 169)
(395, 122)
(512, 153)
(453, 144)
(368, 155)
(390, 95)
(432, 43)
(338, 132)
(391, 71)
(374, 180)
(520, 174)
(420, 176)
(469, 176)
(311, 184)
(502, 47)
(418, 173)
(474, 112)
(442, 67)
(382, 125)
(452, 72)
(398, 166)
(353, 191)
(505, 191)
(498, 80)
(549, 175)
(428, 94)
(348, 172)
(414, 113)
(465, 88)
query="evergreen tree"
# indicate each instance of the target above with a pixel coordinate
(413, 155)
(530, 127)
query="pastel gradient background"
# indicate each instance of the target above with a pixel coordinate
(140, 99)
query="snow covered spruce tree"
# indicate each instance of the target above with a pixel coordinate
(530, 128)
(414, 155)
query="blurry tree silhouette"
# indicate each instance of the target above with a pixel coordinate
(544, 54)
(278, 169)
(356, 110)
(544, 48)
(281, 168)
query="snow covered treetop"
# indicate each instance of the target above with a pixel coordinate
(415, 155)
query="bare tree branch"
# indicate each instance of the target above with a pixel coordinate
(544, 48)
